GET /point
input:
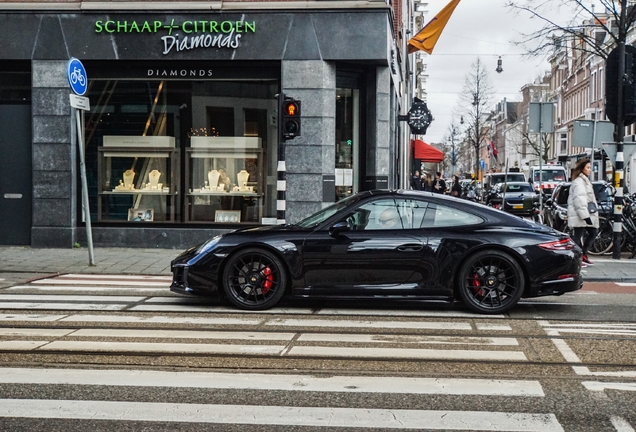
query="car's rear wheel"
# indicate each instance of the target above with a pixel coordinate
(490, 281)
(254, 279)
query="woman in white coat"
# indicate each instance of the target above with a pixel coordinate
(581, 216)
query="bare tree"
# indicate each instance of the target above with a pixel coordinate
(576, 31)
(476, 100)
(452, 139)
(539, 151)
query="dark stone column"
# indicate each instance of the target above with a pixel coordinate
(54, 185)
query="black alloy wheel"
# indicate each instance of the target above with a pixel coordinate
(254, 279)
(490, 281)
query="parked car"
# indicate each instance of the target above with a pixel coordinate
(491, 179)
(514, 197)
(555, 209)
(402, 245)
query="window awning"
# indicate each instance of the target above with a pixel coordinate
(426, 152)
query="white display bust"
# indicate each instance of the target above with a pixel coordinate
(242, 177)
(129, 176)
(213, 178)
(153, 177)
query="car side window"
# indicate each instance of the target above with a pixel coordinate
(381, 214)
(439, 216)
(411, 212)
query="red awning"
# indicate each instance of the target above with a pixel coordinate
(426, 152)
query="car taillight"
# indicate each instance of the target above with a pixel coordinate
(565, 244)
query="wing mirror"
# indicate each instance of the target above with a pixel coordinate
(339, 227)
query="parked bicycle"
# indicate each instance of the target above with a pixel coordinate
(604, 242)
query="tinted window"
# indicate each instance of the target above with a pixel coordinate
(518, 188)
(602, 192)
(512, 177)
(324, 214)
(438, 216)
(376, 215)
(564, 193)
(388, 214)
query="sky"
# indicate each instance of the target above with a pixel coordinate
(484, 29)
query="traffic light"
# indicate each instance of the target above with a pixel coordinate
(291, 118)
(629, 86)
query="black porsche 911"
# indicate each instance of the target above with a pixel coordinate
(386, 244)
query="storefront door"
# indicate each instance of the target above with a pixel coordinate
(15, 174)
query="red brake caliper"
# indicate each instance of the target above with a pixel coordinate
(269, 279)
(477, 284)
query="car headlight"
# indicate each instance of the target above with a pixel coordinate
(206, 246)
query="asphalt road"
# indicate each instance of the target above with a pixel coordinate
(119, 353)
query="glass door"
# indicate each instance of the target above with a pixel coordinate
(347, 141)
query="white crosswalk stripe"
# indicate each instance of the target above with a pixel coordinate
(317, 341)
(560, 329)
(276, 415)
(151, 294)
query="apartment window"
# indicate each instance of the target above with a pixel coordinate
(563, 143)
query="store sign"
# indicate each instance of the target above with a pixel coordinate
(184, 35)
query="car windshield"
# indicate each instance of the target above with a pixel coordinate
(500, 178)
(602, 192)
(317, 218)
(550, 175)
(518, 188)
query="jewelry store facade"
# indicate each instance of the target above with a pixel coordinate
(182, 133)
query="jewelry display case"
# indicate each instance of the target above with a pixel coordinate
(224, 177)
(138, 179)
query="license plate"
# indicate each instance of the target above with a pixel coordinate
(518, 206)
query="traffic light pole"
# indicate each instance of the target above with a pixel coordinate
(620, 135)
(281, 183)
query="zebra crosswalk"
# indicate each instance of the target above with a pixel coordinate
(126, 317)
(330, 388)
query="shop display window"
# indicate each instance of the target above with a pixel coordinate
(225, 179)
(138, 177)
(181, 152)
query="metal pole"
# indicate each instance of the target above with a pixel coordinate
(281, 184)
(540, 158)
(620, 132)
(593, 140)
(85, 205)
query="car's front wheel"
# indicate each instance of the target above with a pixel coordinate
(254, 279)
(490, 281)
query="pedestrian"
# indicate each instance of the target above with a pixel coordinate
(439, 185)
(456, 187)
(426, 182)
(583, 208)
(416, 181)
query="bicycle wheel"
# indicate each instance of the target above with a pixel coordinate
(604, 240)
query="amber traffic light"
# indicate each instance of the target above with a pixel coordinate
(291, 118)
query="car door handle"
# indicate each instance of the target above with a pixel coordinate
(410, 247)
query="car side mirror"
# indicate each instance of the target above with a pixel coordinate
(339, 227)
(548, 202)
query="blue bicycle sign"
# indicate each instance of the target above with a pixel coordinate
(77, 77)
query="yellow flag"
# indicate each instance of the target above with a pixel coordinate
(426, 38)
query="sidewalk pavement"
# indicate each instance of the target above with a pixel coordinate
(24, 259)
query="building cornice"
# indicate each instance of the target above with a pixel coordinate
(89, 6)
